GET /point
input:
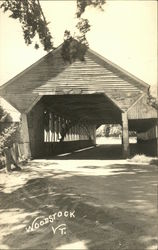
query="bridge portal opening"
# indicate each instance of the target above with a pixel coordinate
(64, 123)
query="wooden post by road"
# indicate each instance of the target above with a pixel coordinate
(125, 136)
(25, 136)
(157, 140)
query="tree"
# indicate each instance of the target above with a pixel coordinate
(8, 136)
(29, 14)
(5, 119)
(33, 21)
(153, 101)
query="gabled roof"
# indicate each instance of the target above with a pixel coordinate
(51, 75)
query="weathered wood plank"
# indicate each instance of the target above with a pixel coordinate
(52, 76)
(125, 135)
(142, 109)
(25, 136)
(157, 139)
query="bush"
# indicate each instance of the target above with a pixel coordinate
(8, 137)
(141, 158)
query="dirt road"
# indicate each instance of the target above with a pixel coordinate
(79, 201)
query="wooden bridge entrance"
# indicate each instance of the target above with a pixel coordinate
(62, 104)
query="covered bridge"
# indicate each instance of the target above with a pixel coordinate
(62, 104)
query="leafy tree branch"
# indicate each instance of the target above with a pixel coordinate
(31, 17)
(33, 22)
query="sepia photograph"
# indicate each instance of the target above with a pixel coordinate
(78, 125)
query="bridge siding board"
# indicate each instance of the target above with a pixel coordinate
(52, 76)
(36, 129)
(25, 135)
(21, 102)
(142, 110)
(70, 75)
(125, 135)
(37, 75)
(118, 70)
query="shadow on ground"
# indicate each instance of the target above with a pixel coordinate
(115, 209)
(99, 152)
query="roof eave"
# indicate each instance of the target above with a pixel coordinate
(28, 68)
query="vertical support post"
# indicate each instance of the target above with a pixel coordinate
(94, 134)
(25, 136)
(157, 140)
(125, 136)
(157, 128)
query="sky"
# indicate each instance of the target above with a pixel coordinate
(125, 33)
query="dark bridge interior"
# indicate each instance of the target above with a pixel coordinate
(95, 108)
(71, 124)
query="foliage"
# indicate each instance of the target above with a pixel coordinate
(112, 130)
(5, 119)
(82, 4)
(153, 102)
(29, 13)
(8, 133)
(75, 47)
(3, 115)
(32, 19)
(2, 112)
(8, 137)
(109, 130)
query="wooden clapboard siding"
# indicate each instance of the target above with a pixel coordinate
(87, 77)
(36, 75)
(21, 102)
(36, 129)
(124, 99)
(118, 70)
(51, 76)
(142, 110)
